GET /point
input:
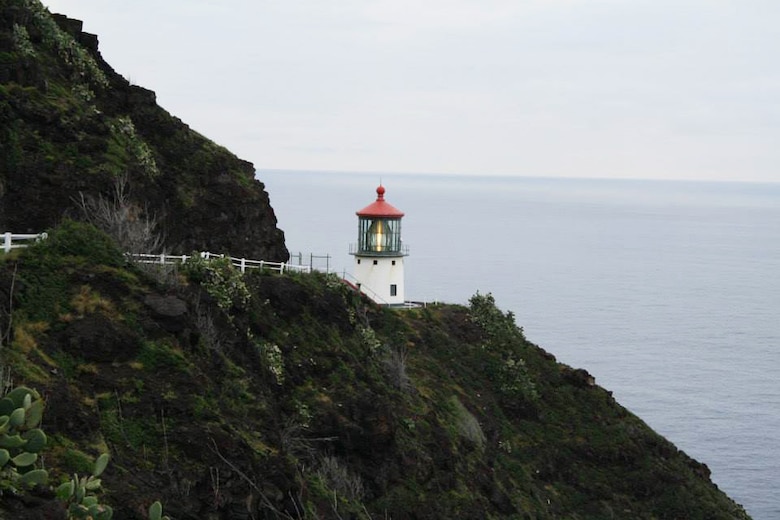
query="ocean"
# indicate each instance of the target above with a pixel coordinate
(668, 292)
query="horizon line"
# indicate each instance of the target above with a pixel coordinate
(511, 175)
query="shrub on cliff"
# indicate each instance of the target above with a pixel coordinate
(47, 263)
(77, 239)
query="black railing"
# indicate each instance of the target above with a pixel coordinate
(354, 249)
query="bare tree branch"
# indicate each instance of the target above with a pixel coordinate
(129, 224)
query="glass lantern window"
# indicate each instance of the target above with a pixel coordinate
(380, 235)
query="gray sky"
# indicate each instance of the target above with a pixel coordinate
(681, 89)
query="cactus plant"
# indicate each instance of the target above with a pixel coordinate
(155, 512)
(21, 411)
(79, 494)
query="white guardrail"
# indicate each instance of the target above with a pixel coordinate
(241, 263)
(17, 240)
(22, 240)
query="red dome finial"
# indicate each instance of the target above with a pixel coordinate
(380, 208)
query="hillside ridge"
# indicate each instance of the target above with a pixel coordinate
(70, 126)
(230, 396)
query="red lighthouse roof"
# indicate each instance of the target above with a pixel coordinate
(380, 208)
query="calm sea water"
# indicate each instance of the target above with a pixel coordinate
(667, 292)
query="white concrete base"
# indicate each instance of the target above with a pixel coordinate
(378, 275)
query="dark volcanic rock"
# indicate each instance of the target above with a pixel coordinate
(167, 306)
(168, 311)
(96, 338)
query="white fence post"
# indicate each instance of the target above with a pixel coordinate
(243, 265)
(7, 242)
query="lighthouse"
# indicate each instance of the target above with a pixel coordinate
(379, 253)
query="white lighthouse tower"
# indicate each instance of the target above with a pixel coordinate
(379, 252)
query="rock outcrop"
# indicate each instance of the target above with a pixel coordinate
(70, 125)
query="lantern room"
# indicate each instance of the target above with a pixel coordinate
(379, 251)
(379, 227)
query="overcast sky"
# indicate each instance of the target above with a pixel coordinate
(685, 89)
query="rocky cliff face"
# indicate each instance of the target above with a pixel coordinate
(69, 124)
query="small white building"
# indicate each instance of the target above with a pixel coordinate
(379, 253)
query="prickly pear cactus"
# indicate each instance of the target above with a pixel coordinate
(79, 494)
(21, 411)
(155, 512)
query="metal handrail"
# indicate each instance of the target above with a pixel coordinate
(354, 249)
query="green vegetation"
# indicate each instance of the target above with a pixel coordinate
(80, 494)
(74, 55)
(21, 444)
(504, 351)
(21, 441)
(292, 397)
(125, 141)
(22, 41)
(50, 262)
(221, 280)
